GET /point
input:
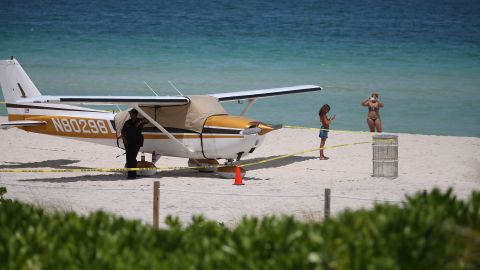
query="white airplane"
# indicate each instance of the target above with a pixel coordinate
(196, 127)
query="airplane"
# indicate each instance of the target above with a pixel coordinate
(196, 127)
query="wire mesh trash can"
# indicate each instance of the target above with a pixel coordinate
(385, 156)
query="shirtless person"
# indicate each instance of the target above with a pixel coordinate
(373, 119)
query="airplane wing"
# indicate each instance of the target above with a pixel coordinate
(21, 123)
(255, 94)
(109, 100)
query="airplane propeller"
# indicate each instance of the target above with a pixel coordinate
(251, 131)
(261, 129)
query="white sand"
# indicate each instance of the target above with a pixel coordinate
(424, 162)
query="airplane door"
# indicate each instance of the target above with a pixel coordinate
(209, 146)
(119, 119)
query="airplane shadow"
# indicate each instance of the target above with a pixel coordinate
(56, 164)
(195, 174)
(274, 163)
(60, 164)
(271, 164)
(181, 173)
(116, 176)
(120, 176)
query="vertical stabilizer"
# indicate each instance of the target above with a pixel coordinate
(15, 83)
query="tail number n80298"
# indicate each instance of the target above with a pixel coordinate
(74, 125)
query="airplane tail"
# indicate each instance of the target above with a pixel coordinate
(15, 83)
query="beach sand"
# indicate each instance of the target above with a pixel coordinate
(293, 185)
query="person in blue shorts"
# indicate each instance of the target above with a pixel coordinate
(325, 121)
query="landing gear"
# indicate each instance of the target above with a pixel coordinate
(228, 171)
(155, 157)
(151, 169)
(203, 165)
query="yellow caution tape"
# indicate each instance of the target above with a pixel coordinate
(303, 152)
(200, 167)
(166, 168)
(90, 170)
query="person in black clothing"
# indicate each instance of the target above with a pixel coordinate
(133, 140)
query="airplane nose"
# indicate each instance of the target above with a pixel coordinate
(264, 129)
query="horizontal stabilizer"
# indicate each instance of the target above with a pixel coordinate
(26, 123)
(263, 93)
(110, 100)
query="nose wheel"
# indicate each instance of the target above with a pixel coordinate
(229, 170)
(203, 165)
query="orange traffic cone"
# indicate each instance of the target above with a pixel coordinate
(238, 177)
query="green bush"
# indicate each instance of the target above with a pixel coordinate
(431, 230)
(3, 190)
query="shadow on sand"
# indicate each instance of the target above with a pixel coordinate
(274, 163)
(55, 164)
(180, 173)
(115, 176)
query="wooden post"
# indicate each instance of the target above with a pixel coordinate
(156, 203)
(326, 209)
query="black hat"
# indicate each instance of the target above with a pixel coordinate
(133, 111)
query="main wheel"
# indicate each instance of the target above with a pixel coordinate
(229, 172)
(152, 169)
(203, 165)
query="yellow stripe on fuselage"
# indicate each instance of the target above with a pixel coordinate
(230, 121)
(78, 127)
(19, 117)
(68, 126)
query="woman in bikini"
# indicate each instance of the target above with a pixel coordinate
(325, 126)
(373, 119)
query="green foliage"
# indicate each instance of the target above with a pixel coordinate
(431, 230)
(3, 191)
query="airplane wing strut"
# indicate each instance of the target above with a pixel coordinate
(249, 104)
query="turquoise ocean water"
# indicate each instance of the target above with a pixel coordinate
(423, 57)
